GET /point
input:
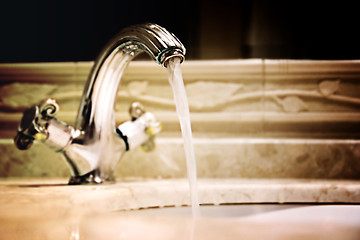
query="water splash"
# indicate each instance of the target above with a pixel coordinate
(182, 109)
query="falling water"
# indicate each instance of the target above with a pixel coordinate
(182, 109)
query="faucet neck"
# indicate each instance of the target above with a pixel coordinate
(156, 41)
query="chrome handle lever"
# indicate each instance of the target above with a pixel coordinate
(39, 123)
(141, 130)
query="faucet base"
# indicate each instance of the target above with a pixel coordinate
(92, 177)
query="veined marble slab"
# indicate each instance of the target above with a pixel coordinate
(216, 158)
(49, 209)
(31, 194)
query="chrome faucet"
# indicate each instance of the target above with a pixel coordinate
(95, 145)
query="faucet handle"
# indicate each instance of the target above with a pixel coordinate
(34, 123)
(136, 110)
(153, 127)
(48, 108)
(141, 130)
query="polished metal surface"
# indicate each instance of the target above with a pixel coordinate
(95, 145)
(39, 123)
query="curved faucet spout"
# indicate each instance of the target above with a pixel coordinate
(153, 39)
(156, 41)
(97, 145)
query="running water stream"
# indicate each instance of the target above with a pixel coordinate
(182, 109)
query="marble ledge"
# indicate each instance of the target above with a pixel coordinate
(233, 158)
(52, 198)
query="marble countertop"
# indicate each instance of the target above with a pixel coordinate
(132, 194)
(31, 207)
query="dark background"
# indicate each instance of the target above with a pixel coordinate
(70, 30)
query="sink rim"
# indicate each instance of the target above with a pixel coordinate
(345, 214)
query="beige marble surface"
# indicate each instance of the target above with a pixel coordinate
(251, 118)
(33, 194)
(49, 209)
(216, 158)
(257, 97)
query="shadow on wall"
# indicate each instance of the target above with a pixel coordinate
(67, 30)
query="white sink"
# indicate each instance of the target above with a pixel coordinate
(344, 214)
(243, 221)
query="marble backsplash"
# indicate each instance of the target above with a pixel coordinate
(237, 98)
(221, 158)
(251, 118)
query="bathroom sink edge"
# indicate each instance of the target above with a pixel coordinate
(130, 194)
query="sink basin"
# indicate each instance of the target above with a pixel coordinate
(344, 214)
(243, 221)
